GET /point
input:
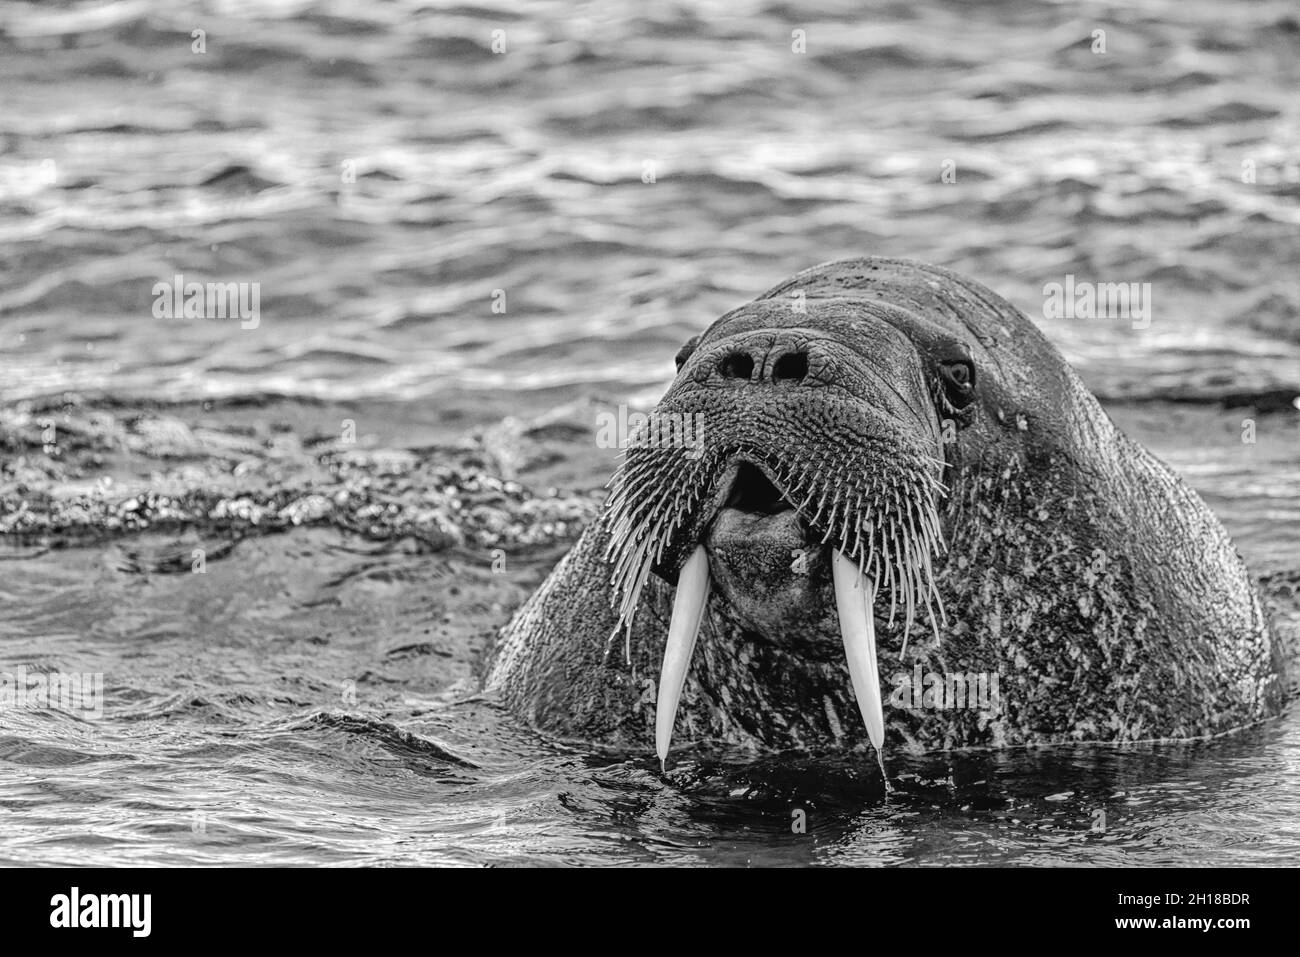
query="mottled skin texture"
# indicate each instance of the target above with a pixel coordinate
(1099, 589)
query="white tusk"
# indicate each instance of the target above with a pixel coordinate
(853, 599)
(688, 610)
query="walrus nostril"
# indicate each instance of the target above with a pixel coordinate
(791, 367)
(736, 365)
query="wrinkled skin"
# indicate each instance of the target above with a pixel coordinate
(1102, 593)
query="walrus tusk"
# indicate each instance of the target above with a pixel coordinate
(688, 610)
(853, 599)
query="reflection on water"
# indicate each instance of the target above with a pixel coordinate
(612, 181)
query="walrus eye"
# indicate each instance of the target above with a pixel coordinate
(959, 381)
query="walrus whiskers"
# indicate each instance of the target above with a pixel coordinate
(875, 518)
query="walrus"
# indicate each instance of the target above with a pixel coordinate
(895, 479)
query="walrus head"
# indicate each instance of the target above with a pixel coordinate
(872, 445)
(796, 466)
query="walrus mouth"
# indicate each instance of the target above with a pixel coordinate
(872, 506)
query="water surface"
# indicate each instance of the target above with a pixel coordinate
(385, 178)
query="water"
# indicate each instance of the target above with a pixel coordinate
(309, 697)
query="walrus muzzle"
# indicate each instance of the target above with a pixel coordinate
(812, 458)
